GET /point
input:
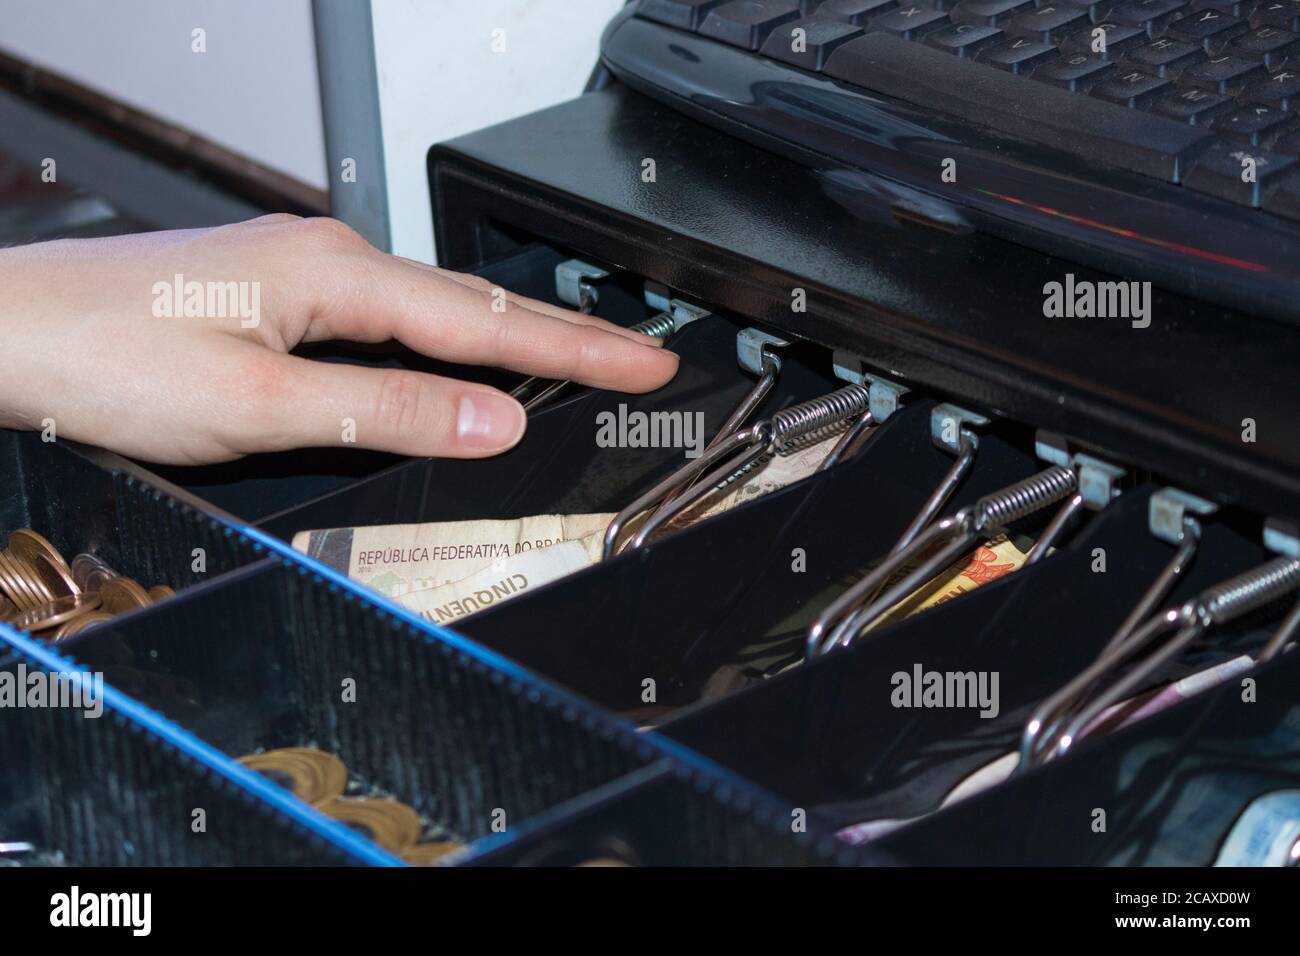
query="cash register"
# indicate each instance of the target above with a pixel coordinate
(1031, 604)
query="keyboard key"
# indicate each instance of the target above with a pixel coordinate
(1105, 39)
(989, 12)
(1049, 24)
(1094, 130)
(1269, 44)
(687, 14)
(1165, 57)
(1019, 55)
(1280, 89)
(1285, 199)
(1195, 107)
(910, 21)
(1222, 74)
(807, 43)
(1254, 124)
(1284, 14)
(1221, 170)
(1151, 15)
(857, 12)
(1233, 8)
(747, 23)
(1078, 71)
(964, 39)
(1210, 28)
(1131, 88)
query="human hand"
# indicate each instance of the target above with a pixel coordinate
(85, 347)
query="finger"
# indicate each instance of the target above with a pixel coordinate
(375, 298)
(537, 305)
(323, 404)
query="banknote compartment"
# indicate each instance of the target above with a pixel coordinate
(113, 791)
(558, 467)
(661, 817)
(1148, 779)
(258, 486)
(265, 658)
(828, 735)
(87, 501)
(683, 607)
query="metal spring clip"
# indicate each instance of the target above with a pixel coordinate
(739, 450)
(1220, 604)
(847, 616)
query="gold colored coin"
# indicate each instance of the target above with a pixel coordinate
(392, 825)
(27, 544)
(56, 612)
(55, 575)
(20, 592)
(89, 573)
(311, 775)
(426, 854)
(123, 594)
(160, 592)
(31, 578)
(79, 624)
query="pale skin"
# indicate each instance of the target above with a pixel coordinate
(83, 348)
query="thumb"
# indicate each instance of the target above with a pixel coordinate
(323, 404)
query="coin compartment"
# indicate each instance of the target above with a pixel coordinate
(85, 500)
(685, 605)
(558, 468)
(1147, 778)
(265, 658)
(828, 736)
(128, 787)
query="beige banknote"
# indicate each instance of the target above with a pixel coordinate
(397, 559)
(500, 581)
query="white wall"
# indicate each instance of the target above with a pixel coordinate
(254, 91)
(439, 78)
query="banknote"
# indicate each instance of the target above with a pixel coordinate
(500, 581)
(402, 559)
(397, 559)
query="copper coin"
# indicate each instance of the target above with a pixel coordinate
(89, 573)
(392, 825)
(122, 594)
(79, 624)
(22, 565)
(161, 592)
(55, 575)
(19, 590)
(26, 543)
(55, 612)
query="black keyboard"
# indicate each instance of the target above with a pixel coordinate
(1155, 138)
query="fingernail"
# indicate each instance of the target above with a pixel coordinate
(488, 421)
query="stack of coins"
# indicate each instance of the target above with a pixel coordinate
(320, 779)
(41, 593)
